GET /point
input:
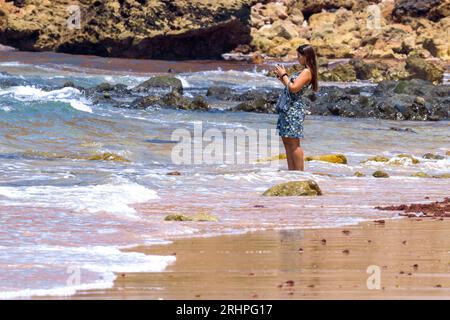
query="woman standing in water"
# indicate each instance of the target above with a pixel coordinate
(291, 107)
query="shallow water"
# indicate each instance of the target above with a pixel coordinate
(64, 216)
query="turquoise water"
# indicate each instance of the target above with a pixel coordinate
(63, 213)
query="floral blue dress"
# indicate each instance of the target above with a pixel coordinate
(291, 109)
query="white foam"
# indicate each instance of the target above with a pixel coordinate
(13, 64)
(80, 106)
(112, 198)
(68, 95)
(5, 108)
(97, 261)
(184, 82)
(442, 164)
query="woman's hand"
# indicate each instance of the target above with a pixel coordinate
(280, 70)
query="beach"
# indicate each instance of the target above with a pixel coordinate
(89, 173)
(332, 263)
(139, 155)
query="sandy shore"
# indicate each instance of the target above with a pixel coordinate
(412, 256)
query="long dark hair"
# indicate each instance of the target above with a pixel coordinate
(308, 52)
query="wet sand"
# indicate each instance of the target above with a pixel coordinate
(412, 255)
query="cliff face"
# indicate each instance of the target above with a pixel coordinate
(203, 29)
(127, 28)
(353, 28)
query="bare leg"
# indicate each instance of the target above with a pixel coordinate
(296, 153)
(289, 155)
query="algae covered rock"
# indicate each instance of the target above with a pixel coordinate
(423, 69)
(108, 156)
(294, 188)
(377, 159)
(359, 174)
(380, 174)
(161, 82)
(433, 156)
(403, 156)
(421, 174)
(333, 158)
(281, 156)
(199, 217)
(178, 217)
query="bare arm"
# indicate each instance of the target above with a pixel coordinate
(303, 79)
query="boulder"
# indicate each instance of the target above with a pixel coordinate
(161, 83)
(220, 92)
(333, 158)
(423, 69)
(295, 188)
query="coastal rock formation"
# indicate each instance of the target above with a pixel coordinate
(198, 29)
(352, 29)
(395, 100)
(377, 70)
(127, 28)
(294, 188)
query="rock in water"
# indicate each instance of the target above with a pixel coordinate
(420, 174)
(376, 159)
(108, 156)
(199, 217)
(161, 82)
(295, 188)
(333, 158)
(177, 217)
(380, 174)
(407, 156)
(433, 156)
(281, 156)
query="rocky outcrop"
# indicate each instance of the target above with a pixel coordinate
(395, 100)
(128, 28)
(182, 29)
(377, 70)
(431, 9)
(352, 29)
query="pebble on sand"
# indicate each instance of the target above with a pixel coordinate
(380, 174)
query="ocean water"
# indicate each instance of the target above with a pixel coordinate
(64, 215)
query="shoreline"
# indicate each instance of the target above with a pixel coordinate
(331, 263)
